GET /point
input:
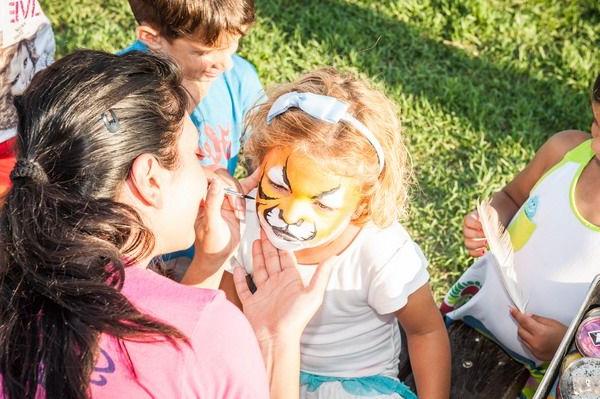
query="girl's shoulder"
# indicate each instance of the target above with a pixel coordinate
(559, 144)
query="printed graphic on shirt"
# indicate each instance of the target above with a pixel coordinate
(104, 366)
(523, 225)
(216, 145)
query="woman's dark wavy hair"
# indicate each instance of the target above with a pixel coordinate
(64, 240)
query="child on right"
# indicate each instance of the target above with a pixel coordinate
(552, 212)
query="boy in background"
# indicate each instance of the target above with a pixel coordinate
(202, 36)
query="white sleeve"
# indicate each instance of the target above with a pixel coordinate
(390, 283)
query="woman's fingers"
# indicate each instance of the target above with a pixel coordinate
(236, 203)
(214, 198)
(248, 183)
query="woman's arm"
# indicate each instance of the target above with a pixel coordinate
(279, 310)
(428, 344)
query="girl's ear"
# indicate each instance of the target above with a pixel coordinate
(150, 37)
(147, 180)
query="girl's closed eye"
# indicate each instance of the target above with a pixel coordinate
(323, 206)
(278, 186)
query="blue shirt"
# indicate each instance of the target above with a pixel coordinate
(219, 117)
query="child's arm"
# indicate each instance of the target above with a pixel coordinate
(428, 344)
(509, 199)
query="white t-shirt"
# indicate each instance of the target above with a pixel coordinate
(355, 332)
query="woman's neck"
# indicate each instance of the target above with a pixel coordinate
(316, 255)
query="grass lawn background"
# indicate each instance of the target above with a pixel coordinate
(480, 85)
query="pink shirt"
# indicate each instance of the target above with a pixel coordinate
(223, 360)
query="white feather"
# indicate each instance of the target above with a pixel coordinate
(502, 252)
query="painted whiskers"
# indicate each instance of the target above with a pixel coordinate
(502, 253)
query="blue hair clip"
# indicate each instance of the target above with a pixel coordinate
(112, 124)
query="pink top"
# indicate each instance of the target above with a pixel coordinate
(222, 361)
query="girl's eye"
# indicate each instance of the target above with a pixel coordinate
(324, 207)
(278, 186)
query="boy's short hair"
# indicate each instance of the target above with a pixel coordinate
(207, 20)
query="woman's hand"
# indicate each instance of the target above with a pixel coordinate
(217, 230)
(281, 304)
(541, 335)
(473, 235)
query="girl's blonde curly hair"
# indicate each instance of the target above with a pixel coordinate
(340, 147)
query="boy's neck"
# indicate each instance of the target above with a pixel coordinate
(316, 255)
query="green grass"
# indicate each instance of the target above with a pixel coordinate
(479, 84)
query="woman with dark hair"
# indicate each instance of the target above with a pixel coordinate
(106, 179)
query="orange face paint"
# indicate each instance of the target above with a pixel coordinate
(300, 204)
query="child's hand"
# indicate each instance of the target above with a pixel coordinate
(474, 237)
(281, 306)
(541, 335)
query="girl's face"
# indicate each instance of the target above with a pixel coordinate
(595, 129)
(300, 204)
(185, 190)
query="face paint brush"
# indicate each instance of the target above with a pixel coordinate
(232, 192)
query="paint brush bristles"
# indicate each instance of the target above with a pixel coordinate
(230, 191)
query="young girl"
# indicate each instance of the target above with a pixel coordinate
(552, 210)
(334, 182)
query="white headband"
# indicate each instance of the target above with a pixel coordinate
(325, 108)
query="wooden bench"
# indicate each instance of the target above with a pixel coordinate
(480, 368)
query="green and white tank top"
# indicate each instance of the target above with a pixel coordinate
(557, 255)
